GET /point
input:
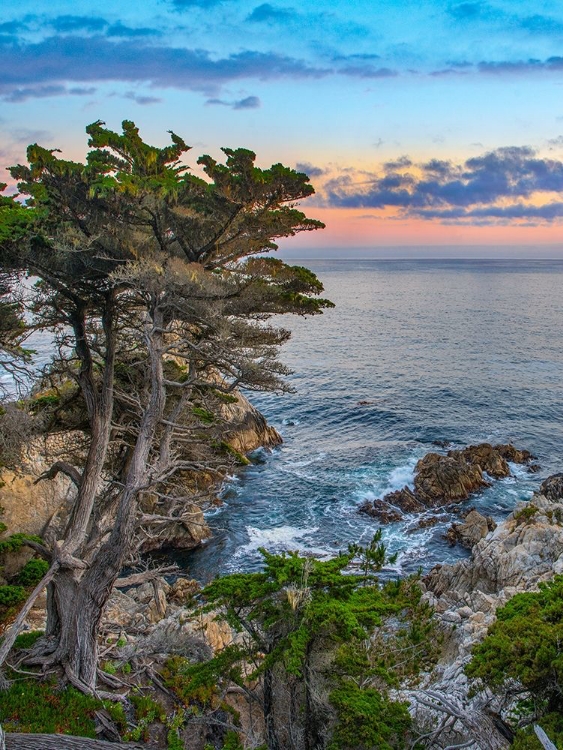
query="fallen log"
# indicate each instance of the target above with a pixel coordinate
(13, 741)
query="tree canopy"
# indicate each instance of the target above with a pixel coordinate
(153, 284)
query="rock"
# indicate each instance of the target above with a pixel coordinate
(183, 589)
(490, 460)
(426, 523)
(534, 468)
(472, 530)
(247, 428)
(453, 617)
(381, 510)
(552, 487)
(465, 612)
(442, 480)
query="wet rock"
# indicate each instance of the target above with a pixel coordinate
(441, 443)
(552, 487)
(381, 511)
(426, 523)
(534, 468)
(490, 460)
(442, 480)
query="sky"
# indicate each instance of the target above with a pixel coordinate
(421, 124)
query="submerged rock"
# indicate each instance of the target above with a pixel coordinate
(444, 479)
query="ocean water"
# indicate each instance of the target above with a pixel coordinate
(465, 351)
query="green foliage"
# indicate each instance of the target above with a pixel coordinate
(525, 645)
(28, 639)
(367, 719)
(16, 541)
(525, 514)
(46, 401)
(11, 595)
(552, 725)
(147, 712)
(40, 707)
(173, 740)
(204, 415)
(370, 635)
(232, 742)
(32, 572)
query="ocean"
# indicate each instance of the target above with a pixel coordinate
(415, 351)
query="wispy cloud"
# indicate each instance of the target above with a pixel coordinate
(310, 169)
(141, 99)
(267, 13)
(22, 94)
(249, 102)
(78, 23)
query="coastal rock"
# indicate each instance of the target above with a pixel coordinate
(42, 507)
(383, 511)
(441, 480)
(247, 428)
(523, 551)
(472, 530)
(552, 487)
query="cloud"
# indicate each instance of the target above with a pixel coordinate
(18, 95)
(78, 23)
(120, 30)
(367, 71)
(538, 24)
(309, 169)
(267, 13)
(356, 56)
(186, 4)
(61, 59)
(141, 99)
(250, 102)
(499, 185)
(12, 27)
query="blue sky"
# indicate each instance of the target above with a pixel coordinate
(419, 122)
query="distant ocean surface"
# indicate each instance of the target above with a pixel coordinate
(465, 351)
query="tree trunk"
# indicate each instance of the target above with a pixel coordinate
(269, 718)
(79, 602)
(314, 739)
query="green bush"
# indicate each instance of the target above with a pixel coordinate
(30, 706)
(28, 639)
(367, 719)
(525, 646)
(33, 571)
(12, 595)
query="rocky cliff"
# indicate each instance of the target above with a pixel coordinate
(516, 556)
(41, 507)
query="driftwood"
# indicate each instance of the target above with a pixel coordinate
(544, 739)
(60, 742)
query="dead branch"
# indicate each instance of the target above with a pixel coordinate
(148, 575)
(61, 467)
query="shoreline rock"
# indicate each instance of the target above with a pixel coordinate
(441, 480)
(521, 552)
